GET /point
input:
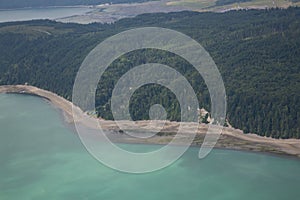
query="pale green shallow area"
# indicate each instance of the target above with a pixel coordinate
(40, 158)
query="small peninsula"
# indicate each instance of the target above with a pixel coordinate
(230, 138)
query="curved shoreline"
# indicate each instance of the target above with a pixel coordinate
(230, 138)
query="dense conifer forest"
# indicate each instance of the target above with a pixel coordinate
(256, 51)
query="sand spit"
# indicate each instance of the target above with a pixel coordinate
(230, 138)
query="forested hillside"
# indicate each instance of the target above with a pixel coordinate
(256, 51)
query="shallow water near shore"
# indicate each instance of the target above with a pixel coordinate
(41, 158)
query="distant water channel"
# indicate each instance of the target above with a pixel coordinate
(41, 13)
(41, 158)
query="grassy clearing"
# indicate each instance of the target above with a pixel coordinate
(198, 4)
(210, 5)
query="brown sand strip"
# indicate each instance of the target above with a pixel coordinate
(230, 138)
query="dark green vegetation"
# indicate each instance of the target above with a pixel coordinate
(256, 51)
(10, 4)
(227, 2)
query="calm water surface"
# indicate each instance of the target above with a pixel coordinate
(40, 158)
(41, 13)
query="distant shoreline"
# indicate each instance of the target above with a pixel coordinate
(110, 13)
(53, 13)
(230, 138)
(46, 7)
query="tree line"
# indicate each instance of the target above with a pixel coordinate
(256, 51)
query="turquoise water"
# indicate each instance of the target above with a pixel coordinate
(40, 158)
(41, 13)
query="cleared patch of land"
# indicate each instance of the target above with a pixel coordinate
(108, 13)
(230, 138)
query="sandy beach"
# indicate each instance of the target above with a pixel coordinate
(230, 138)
